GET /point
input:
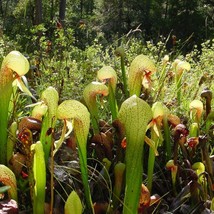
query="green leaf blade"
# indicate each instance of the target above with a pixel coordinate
(134, 115)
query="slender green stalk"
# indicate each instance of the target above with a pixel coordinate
(5, 94)
(16, 63)
(95, 124)
(162, 76)
(112, 103)
(119, 171)
(50, 97)
(167, 139)
(39, 174)
(122, 63)
(121, 53)
(76, 111)
(178, 89)
(52, 178)
(84, 175)
(134, 114)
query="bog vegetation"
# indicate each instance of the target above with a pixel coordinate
(125, 126)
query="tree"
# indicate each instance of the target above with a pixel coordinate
(1, 9)
(62, 9)
(38, 12)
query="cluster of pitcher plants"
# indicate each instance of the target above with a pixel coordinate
(130, 153)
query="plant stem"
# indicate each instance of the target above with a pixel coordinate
(5, 94)
(167, 138)
(122, 62)
(39, 174)
(178, 90)
(50, 97)
(52, 177)
(119, 171)
(161, 82)
(72, 109)
(151, 162)
(44, 138)
(112, 103)
(134, 114)
(13, 63)
(95, 125)
(84, 175)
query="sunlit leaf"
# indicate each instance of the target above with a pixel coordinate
(139, 67)
(73, 204)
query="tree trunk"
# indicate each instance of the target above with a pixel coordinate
(62, 9)
(147, 18)
(38, 12)
(1, 9)
(166, 10)
(52, 10)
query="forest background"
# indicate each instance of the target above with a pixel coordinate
(190, 21)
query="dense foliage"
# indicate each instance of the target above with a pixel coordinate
(109, 20)
(115, 111)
